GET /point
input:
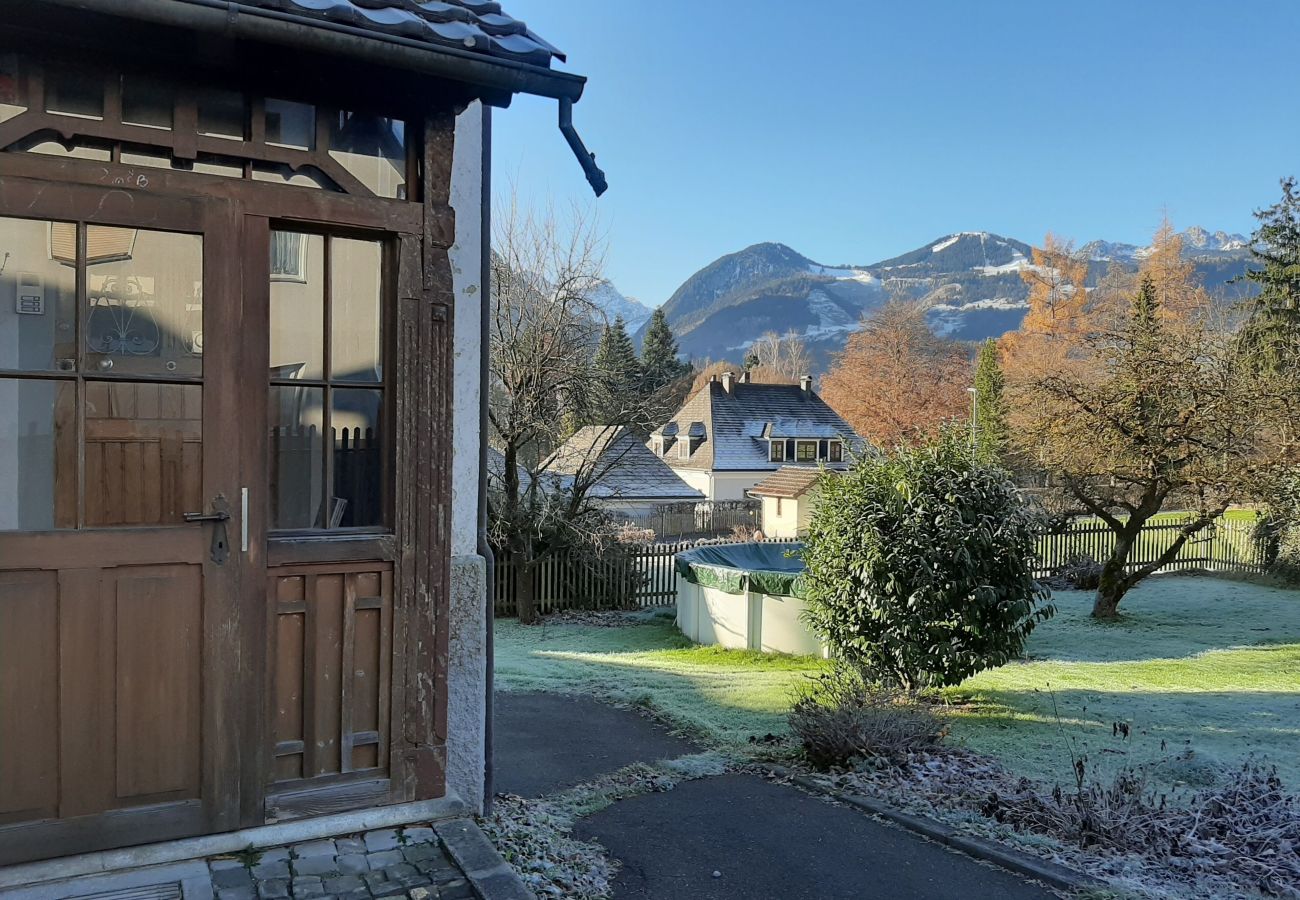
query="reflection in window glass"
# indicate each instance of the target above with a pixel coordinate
(37, 295)
(222, 113)
(297, 457)
(291, 124)
(358, 458)
(372, 148)
(72, 93)
(150, 159)
(144, 296)
(76, 149)
(297, 305)
(13, 93)
(307, 176)
(356, 270)
(38, 455)
(147, 102)
(143, 452)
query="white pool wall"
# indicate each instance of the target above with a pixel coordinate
(749, 621)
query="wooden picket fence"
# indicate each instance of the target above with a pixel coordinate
(1226, 545)
(1222, 546)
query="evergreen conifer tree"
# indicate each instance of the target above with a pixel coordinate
(659, 363)
(1273, 330)
(991, 430)
(616, 375)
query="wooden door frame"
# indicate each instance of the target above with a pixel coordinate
(227, 627)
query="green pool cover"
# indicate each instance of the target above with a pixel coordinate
(735, 568)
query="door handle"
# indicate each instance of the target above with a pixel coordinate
(220, 514)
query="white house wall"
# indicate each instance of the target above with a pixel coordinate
(467, 652)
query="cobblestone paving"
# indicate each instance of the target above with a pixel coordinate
(397, 862)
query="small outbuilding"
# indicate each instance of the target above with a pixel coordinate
(788, 496)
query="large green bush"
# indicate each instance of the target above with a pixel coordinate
(920, 565)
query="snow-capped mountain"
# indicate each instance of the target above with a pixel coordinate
(614, 303)
(968, 283)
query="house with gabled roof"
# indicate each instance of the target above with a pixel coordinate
(733, 433)
(624, 477)
(787, 496)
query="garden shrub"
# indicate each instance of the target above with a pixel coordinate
(919, 565)
(1278, 530)
(845, 717)
(1079, 571)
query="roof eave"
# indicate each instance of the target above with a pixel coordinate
(495, 74)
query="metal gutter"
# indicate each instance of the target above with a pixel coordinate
(484, 546)
(238, 20)
(586, 159)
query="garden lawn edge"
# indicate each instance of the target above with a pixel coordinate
(1048, 872)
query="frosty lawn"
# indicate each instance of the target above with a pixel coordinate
(1206, 665)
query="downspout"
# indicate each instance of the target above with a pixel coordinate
(586, 159)
(484, 546)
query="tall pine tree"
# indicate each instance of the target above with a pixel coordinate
(616, 374)
(991, 430)
(1273, 330)
(660, 366)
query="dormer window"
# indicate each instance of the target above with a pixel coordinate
(835, 452)
(684, 449)
(776, 451)
(806, 451)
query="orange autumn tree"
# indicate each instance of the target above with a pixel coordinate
(896, 382)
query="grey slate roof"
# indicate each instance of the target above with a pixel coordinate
(735, 426)
(624, 468)
(476, 25)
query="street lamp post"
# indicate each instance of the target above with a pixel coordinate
(974, 412)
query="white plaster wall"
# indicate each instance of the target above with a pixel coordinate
(700, 480)
(733, 485)
(467, 651)
(779, 517)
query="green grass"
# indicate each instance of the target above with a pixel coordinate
(1205, 665)
(722, 696)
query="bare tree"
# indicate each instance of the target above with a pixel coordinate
(544, 330)
(779, 359)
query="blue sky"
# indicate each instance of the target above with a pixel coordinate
(857, 131)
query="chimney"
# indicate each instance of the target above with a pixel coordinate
(727, 379)
(744, 377)
(713, 378)
(805, 384)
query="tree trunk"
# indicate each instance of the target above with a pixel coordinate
(526, 593)
(1114, 583)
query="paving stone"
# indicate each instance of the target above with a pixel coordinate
(349, 846)
(384, 859)
(361, 893)
(381, 840)
(232, 878)
(417, 852)
(315, 848)
(389, 889)
(268, 870)
(343, 884)
(417, 834)
(316, 865)
(308, 887)
(414, 881)
(275, 889)
(237, 893)
(353, 864)
(217, 865)
(375, 880)
(273, 854)
(401, 870)
(438, 869)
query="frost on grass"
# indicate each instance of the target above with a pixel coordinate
(1238, 838)
(536, 836)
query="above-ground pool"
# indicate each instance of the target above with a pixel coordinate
(744, 596)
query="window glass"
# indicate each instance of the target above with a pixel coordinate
(297, 305)
(37, 295)
(356, 308)
(38, 455)
(147, 101)
(307, 176)
(807, 451)
(372, 148)
(358, 458)
(13, 93)
(290, 124)
(76, 149)
(836, 451)
(297, 457)
(71, 92)
(222, 113)
(777, 451)
(143, 452)
(144, 301)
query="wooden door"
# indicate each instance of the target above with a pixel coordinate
(121, 637)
